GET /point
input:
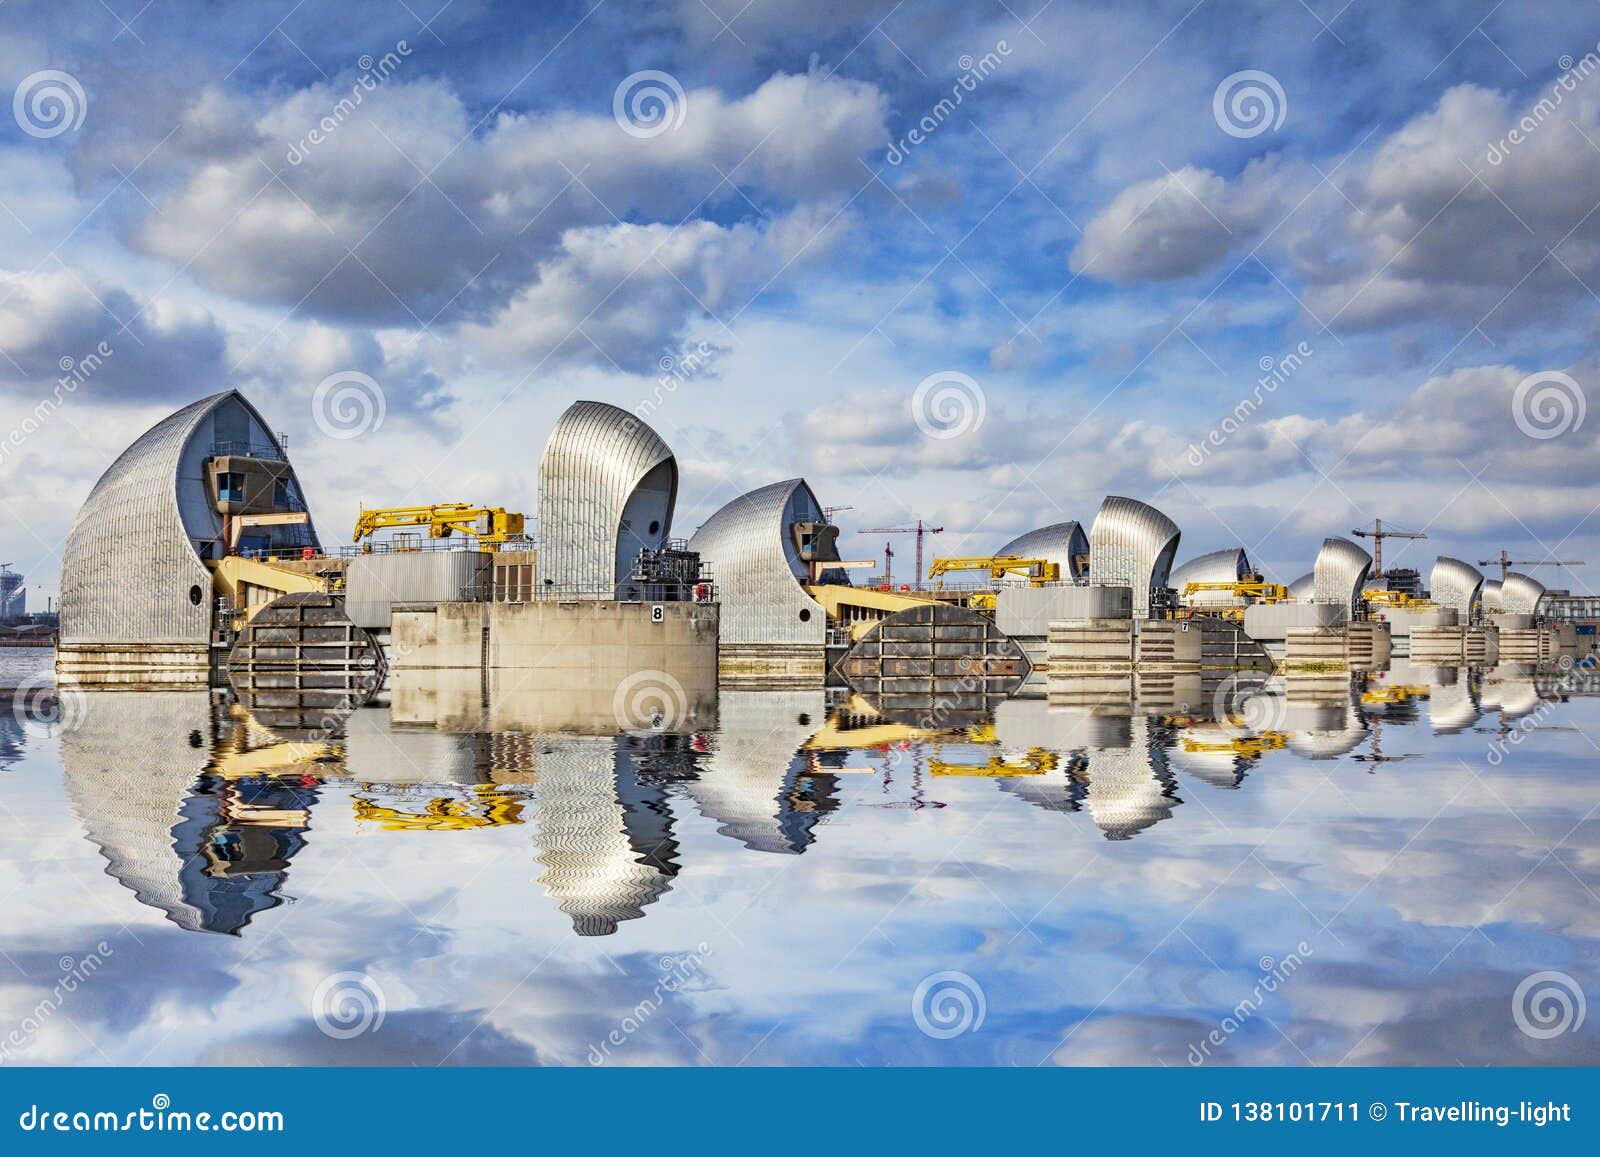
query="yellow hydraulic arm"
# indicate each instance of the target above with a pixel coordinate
(1387, 598)
(493, 525)
(1035, 570)
(1258, 591)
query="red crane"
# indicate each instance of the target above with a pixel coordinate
(919, 530)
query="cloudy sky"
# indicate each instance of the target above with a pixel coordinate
(979, 263)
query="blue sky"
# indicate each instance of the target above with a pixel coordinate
(1105, 254)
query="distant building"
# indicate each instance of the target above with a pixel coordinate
(13, 596)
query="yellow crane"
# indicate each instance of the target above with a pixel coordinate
(1035, 570)
(1257, 591)
(493, 526)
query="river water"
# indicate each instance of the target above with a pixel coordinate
(1403, 869)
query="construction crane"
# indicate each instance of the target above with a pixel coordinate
(1037, 571)
(493, 526)
(1377, 534)
(1505, 562)
(919, 530)
(827, 511)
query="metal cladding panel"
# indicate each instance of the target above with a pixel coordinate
(1520, 594)
(374, 582)
(1028, 611)
(1457, 585)
(130, 561)
(597, 457)
(598, 867)
(130, 808)
(1132, 544)
(1303, 588)
(1063, 543)
(757, 568)
(1220, 566)
(1340, 573)
(1490, 599)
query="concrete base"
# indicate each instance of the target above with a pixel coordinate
(572, 665)
(1454, 645)
(1150, 645)
(1028, 611)
(773, 665)
(135, 666)
(1353, 646)
(1272, 622)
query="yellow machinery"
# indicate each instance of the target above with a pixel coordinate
(1035, 570)
(499, 808)
(1396, 599)
(251, 585)
(1259, 592)
(1387, 693)
(237, 524)
(1243, 746)
(493, 526)
(1037, 761)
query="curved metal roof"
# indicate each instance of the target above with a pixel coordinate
(1489, 597)
(755, 784)
(607, 488)
(1229, 565)
(152, 818)
(1520, 594)
(1457, 585)
(604, 837)
(1302, 588)
(1062, 543)
(757, 567)
(1340, 573)
(1129, 788)
(1132, 544)
(132, 557)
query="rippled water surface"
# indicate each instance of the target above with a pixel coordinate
(1364, 875)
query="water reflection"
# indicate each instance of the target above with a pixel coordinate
(201, 808)
(208, 850)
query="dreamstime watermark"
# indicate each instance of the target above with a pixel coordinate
(948, 404)
(48, 705)
(1248, 103)
(948, 1004)
(74, 974)
(1245, 704)
(647, 702)
(48, 103)
(1572, 72)
(160, 1117)
(676, 369)
(373, 73)
(348, 404)
(348, 1004)
(1547, 1004)
(973, 73)
(676, 972)
(1548, 404)
(1514, 734)
(1274, 373)
(1274, 973)
(649, 103)
(74, 373)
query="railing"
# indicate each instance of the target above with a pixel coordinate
(423, 542)
(224, 448)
